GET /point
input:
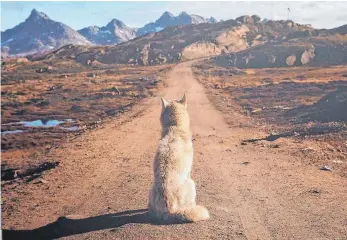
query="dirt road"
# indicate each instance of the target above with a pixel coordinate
(251, 192)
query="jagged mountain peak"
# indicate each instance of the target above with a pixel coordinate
(115, 22)
(114, 32)
(166, 16)
(183, 13)
(166, 13)
(36, 15)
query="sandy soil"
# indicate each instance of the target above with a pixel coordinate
(100, 189)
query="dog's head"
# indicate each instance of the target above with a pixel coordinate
(174, 113)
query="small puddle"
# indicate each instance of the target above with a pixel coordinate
(11, 132)
(74, 128)
(40, 124)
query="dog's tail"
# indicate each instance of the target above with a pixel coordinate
(194, 214)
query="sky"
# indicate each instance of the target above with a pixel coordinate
(136, 14)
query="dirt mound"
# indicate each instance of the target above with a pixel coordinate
(330, 108)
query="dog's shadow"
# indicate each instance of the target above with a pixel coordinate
(67, 226)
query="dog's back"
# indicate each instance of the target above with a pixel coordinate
(172, 197)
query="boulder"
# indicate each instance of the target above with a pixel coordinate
(245, 19)
(291, 60)
(307, 56)
(256, 18)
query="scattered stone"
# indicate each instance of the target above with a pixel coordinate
(314, 191)
(257, 110)
(48, 69)
(92, 75)
(76, 108)
(308, 149)
(296, 134)
(325, 168)
(40, 180)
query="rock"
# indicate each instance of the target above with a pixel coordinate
(48, 69)
(256, 18)
(314, 191)
(291, 60)
(267, 80)
(257, 110)
(325, 168)
(307, 56)
(92, 75)
(290, 23)
(75, 108)
(39, 181)
(22, 60)
(245, 19)
(272, 59)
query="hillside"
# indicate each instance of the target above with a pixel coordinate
(311, 51)
(185, 42)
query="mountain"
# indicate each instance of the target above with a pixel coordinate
(245, 42)
(168, 20)
(185, 42)
(37, 34)
(114, 32)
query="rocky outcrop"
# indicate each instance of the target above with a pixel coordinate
(199, 50)
(233, 40)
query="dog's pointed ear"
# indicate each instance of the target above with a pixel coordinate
(183, 101)
(164, 103)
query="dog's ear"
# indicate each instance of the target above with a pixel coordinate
(164, 103)
(183, 101)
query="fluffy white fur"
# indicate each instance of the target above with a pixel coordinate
(172, 197)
